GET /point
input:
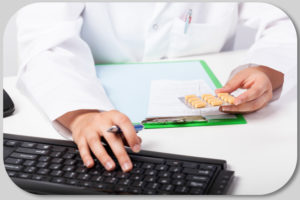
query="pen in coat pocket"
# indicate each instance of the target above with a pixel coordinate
(188, 19)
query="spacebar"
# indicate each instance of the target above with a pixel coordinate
(147, 159)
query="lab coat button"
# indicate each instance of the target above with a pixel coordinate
(155, 26)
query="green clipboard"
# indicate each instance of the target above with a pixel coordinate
(128, 87)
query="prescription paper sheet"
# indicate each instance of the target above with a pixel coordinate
(164, 99)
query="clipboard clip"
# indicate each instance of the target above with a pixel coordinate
(175, 120)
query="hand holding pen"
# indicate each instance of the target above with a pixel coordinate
(90, 127)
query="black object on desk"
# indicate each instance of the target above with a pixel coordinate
(8, 105)
(47, 166)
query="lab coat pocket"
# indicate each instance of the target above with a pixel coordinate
(199, 38)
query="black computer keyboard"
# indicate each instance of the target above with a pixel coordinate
(47, 166)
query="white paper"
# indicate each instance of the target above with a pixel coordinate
(164, 97)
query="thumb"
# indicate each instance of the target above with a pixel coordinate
(231, 85)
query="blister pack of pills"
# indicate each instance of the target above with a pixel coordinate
(207, 100)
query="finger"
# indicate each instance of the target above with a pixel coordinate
(253, 93)
(100, 152)
(232, 84)
(84, 152)
(250, 106)
(117, 146)
(128, 131)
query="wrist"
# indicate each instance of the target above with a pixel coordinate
(276, 77)
(69, 119)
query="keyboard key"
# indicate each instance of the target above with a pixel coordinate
(173, 162)
(103, 186)
(150, 172)
(84, 176)
(190, 165)
(82, 170)
(122, 175)
(30, 169)
(161, 167)
(168, 188)
(163, 180)
(32, 151)
(139, 184)
(198, 178)
(28, 144)
(43, 146)
(72, 182)
(124, 182)
(23, 156)
(111, 180)
(58, 180)
(178, 182)
(164, 174)
(208, 167)
(70, 175)
(86, 184)
(109, 174)
(120, 188)
(97, 178)
(175, 169)
(147, 159)
(178, 176)
(56, 173)
(197, 171)
(69, 156)
(58, 148)
(181, 189)
(135, 190)
(196, 184)
(56, 154)
(147, 166)
(149, 192)
(136, 171)
(44, 158)
(40, 178)
(13, 167)
(196, 191)
(24, 175)
(57, 160)
(55, 166)
(42, 164)
(14, 161)
(136, 177)
(43, 171)
(70, 162)
(11, 143)
(150, 178)
(29, 162)
(11, 173)
(136, 164)
(68, 168)
(153, 186)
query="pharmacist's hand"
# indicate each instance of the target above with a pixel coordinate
(259, 90)
(90, 127)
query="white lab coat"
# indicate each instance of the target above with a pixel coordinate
(59, 43)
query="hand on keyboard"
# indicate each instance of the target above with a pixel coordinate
(88, 127)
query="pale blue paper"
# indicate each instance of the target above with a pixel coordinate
(128, 85)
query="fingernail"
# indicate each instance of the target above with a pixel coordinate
(126, 166)
(88, 163)
(109, 165)
(226, 108)
(136, 148)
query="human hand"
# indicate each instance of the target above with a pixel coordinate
(88, 127)
(259, 81)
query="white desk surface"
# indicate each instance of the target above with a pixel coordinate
(263, 152)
